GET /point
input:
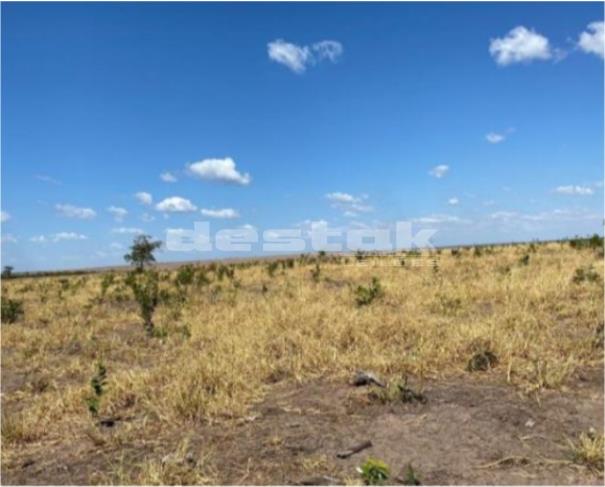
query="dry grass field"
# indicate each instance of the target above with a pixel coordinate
(492, 360)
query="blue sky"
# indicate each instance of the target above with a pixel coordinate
(482, 121)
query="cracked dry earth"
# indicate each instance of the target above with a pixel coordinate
(470, 431)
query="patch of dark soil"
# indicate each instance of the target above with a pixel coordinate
(469, 431)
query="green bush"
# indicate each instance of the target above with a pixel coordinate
(145, 287)
(365, 295)
(374, 472)
(12, 310)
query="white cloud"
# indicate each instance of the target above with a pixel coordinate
(574, 190)
(4, 216)
(57, 237)
(175, 204)
(503, 215)
(116, 246)
(453, 201)
(592, 40)
(127, 230)
(219, 170)
(342, 197)
(144, 198)
(556, 215)
(168, 177)
(349, 204)
(439, 171)
(8, 238)
(118, 213)
(227, 213)
(331, 50)
(298, 58)
(520, 45)
(437, 219)
(494, 138)
(71, 211)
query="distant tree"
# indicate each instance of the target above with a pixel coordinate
(141, 251)
(7, 272)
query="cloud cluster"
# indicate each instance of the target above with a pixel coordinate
(4, 216)
(298, 58)
(439, 171)
(226, 213)
(574, 190)
(520, 45)
(349, 204)
(118, 213)
(494, 138)
(223, 170)
(127, 230)
(175, 204)
(168, 177)
(592, 40)
(71, 211)
(58, 237)
(144, 198)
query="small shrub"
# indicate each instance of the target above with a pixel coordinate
(145, 288)
(271, 268)
(477, 252)
(185, 275)
(316, 272)
(106, 282)
(374, 472)
(365, 295)
(7, 272)
(97, 384)
(588, 450)
(360, 255)
(12, 310)
(524, 260)
(141, 252)
(585, 274)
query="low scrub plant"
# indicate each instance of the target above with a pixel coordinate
(585, 274)
(145, 287)
(365, 295)
(374, 472)
(588, 449)
(97, 384)
(12, 310)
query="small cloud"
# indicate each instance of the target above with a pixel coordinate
(503, 215)
(57, 237)
(175, 204)
(438, 219)
(453, 201)
(592, 40)
(342, 197)
(118, 213)
(298, 58)
(144, 198)
(71, 211)
(219, 170)
(489, 203)
(38, 239)
(520, 45)
(168, 177)
(116, 246)
(4, 216)
(226, 213)
(439, 171)
(127, 230)
(574, 190)
(47, 179)
(494, 138)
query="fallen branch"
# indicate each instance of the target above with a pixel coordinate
(354, 449)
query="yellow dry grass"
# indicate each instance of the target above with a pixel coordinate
(231, 339)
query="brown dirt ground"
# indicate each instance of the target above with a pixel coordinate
(470, 431)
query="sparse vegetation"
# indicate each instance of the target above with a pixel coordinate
(141, 252)
(12, 310)
(374, 472)
(365, 295)
(589, 449)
